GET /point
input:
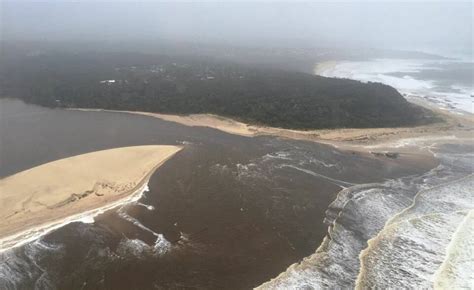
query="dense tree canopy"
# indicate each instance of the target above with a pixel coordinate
(184, 85)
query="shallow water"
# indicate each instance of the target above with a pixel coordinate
(427, 251)
(405, 254)
(225, 212)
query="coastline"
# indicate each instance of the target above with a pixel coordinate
(274, 249)
(220, 123)
(414, 144)
(314, 269)
(163, 213)
(459, 126)
(449, 96)
(319, 68)
(46, 208)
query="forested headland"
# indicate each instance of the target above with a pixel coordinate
(190, 85)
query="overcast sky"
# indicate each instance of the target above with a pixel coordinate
(384, 24)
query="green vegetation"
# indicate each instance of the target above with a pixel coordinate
(185, 85)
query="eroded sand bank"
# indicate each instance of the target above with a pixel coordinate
(57, 190)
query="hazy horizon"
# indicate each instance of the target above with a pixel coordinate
(423, 26)
(321, 144)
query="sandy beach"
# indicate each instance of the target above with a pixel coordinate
(324, 66)
(459, 126)
(46, 194)
(194, 120)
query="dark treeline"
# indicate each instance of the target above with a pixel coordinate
(188, 85)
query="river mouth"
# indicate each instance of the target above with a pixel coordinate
(226, 212)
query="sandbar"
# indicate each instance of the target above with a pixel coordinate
(459, 126)
(46, 194)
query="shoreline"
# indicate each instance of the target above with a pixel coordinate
(413, 143)
(437, 98)
(24, 230)
(455, 126)
(163, 213)
(32, 234)
(459, 126)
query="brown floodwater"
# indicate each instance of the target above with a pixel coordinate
(226, 212)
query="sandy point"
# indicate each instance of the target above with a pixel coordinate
(449, 124)
(50, 193)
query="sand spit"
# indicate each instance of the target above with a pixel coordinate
(460, 126)
(47, 195)
(194, 120)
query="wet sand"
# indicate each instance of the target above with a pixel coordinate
(195, 120)
(461, 126)
(44, 195)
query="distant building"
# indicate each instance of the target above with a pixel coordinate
(107, 81)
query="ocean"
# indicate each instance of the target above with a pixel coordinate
(236, 212)
(369, 213)
(226, 212)
(447, 82)
(410, 232)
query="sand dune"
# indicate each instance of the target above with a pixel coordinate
(59, 189)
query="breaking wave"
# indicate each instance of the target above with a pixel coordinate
(456, 269)
(24, 266)
(357, 215)
(35, 263)
(87, 217)
(411, 246)
(408, 76)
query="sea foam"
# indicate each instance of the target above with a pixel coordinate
(412, 245)
(456, 271)
(37, 232)
(406, 75)
(358, 214)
